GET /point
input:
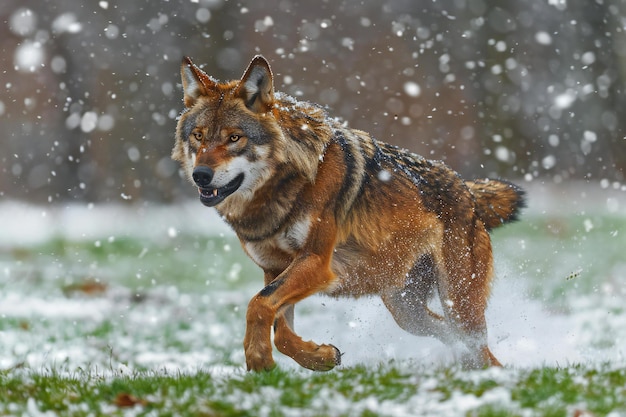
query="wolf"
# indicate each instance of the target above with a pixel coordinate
(324, 208)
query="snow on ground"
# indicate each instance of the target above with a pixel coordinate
(524, 332)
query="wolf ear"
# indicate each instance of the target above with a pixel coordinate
(196, 82)
(256, 87)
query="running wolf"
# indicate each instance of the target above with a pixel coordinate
(323, 208)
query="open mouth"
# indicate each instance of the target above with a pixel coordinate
(212, 196)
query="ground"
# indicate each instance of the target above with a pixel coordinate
(117, 300)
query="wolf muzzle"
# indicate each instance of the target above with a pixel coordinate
(202, 176)
(209, 194)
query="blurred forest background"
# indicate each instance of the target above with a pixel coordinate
(528, 90)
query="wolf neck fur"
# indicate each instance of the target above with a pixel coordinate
(272, 206)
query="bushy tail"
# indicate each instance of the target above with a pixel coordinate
(497, 201)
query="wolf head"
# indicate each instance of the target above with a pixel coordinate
(233, 137)
(224, 134)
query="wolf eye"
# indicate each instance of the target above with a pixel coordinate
(234, 138)
(197, 136)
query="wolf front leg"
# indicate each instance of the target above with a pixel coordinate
(307, 353)
(308, 274)
(257, 341)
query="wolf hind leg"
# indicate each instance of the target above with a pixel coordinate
(306, 353)
(409, 304)
(464, 289)
(416, 318)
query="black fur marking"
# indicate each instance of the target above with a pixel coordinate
(189, 125)
(252, 100)
(521, 200)
(271, 287)
(349, 160)
(408, 163)
(421, 280)
(352, 175)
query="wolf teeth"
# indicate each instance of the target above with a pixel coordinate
(208, 193)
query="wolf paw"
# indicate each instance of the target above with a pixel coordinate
(324, 358)
(259, 362)
(258, 366)
(479, 360)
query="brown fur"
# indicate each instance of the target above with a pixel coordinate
(323, 208)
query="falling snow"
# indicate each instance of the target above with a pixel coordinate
(442, 81)
(91, 93)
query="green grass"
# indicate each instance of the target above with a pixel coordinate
(563, 258)
(74, 348)
(359, 391)
(188, 261)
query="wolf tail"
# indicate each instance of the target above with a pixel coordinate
(497, 201)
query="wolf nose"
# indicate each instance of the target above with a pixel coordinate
(202, 176)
